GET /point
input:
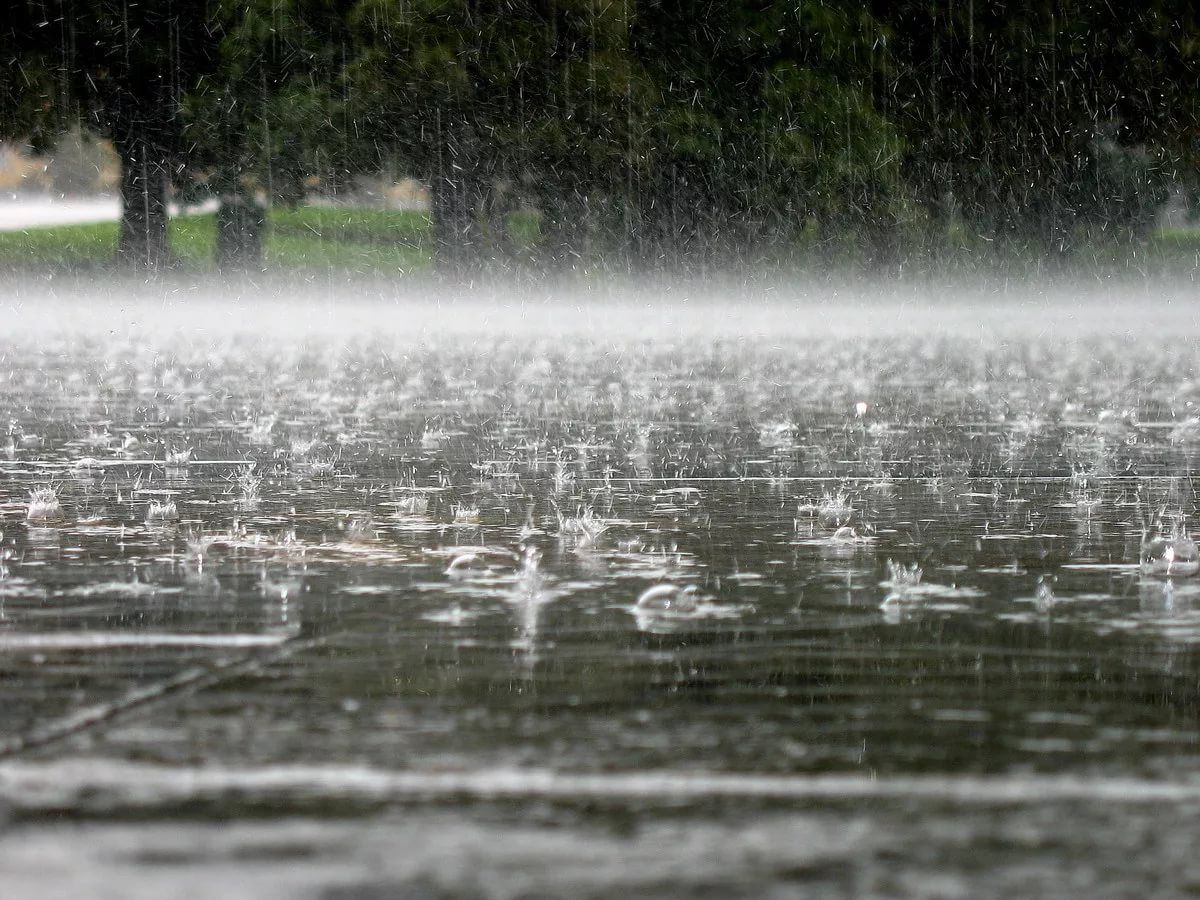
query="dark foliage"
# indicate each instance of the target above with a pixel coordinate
(640, 133)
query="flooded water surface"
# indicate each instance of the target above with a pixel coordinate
(500, 612)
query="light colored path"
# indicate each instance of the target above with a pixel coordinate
(23, 213)
(44, 212)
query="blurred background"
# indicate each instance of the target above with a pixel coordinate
(601, 135)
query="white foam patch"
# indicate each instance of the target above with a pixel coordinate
(105, 640)
(27, 784)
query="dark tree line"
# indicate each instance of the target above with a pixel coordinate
(122, 69)
(651, 132)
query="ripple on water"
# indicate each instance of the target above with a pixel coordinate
(377, 494)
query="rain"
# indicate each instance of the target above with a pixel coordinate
(507, 450)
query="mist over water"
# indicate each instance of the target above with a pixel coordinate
(275, 307)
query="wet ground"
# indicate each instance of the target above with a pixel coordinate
(507, 609)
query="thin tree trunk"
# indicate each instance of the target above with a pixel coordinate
(564, 227)
(454, 205)
(144, 176)
(241, 229)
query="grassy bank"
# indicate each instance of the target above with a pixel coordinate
(383, 242)
(366, 240)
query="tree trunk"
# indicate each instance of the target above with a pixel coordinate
(145, 171)
(652, 238)
(564, 227)
(454, 201)
(241, 228)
